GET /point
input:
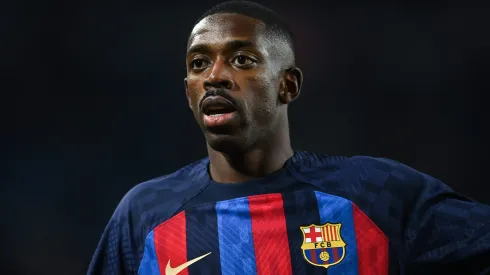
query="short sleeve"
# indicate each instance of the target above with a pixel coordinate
(116, 253)
(446, 232)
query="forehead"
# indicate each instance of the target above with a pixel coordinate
(218, 29)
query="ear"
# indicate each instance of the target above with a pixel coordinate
(187, 93)
(291, 85)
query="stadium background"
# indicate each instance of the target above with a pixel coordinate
(94, 103)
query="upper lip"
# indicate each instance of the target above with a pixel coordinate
(217, 105)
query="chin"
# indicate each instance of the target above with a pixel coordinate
(227, 144)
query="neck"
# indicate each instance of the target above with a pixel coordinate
(255, 163)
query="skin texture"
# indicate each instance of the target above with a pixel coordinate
(254, 68)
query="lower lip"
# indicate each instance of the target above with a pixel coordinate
(218, 120)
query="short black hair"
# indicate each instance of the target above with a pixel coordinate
(270, 18)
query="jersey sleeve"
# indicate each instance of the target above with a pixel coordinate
(115, 253)
(446, 232)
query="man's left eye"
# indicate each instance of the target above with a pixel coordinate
(243, 60)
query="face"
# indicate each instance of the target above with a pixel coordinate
(235, 80)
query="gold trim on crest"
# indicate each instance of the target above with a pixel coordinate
(328, 236)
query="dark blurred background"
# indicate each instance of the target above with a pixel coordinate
(94, 104)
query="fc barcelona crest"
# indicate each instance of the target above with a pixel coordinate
(323, 244)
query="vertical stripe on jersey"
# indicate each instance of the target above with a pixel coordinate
(373, 259)
(270, 235)
(335, 209)
(202, 238)
(236, 247)
(149, 263)
(301, 209)
(170, 243)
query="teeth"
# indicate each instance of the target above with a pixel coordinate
(215, 115)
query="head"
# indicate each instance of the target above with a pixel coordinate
(241, 76)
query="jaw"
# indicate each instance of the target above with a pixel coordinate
(228, 142)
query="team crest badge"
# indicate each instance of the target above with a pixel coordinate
(322, 244)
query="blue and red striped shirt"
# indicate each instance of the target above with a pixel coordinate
(317, 215)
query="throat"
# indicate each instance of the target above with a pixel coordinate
(245, 167)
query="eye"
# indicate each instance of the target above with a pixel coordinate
(198, 64)
(243, 61)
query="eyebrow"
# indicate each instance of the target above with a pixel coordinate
(230, 45)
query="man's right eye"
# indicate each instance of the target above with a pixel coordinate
(198, 64)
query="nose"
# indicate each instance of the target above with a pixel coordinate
(219, 77)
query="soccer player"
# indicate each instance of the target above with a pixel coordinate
(256, 206)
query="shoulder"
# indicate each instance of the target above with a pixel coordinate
(376, 172)
(381, 187)
(152, 202)
(143, 207)
(169, 189)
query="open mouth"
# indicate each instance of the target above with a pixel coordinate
(218, 112)
(216, 106)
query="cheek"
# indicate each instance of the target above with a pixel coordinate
(262, 96)
(194, 91)
(264, 89)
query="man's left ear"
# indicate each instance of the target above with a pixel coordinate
(291, 85)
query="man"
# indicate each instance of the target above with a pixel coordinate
(255, 206)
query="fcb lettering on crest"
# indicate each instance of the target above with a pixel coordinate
(323, 244)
